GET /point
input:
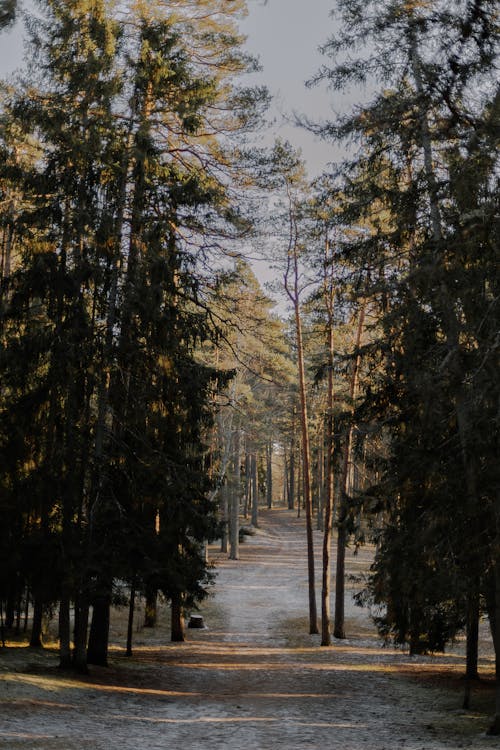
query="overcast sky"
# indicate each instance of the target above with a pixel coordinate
(285, 35)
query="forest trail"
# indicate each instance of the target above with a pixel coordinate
(253, 680)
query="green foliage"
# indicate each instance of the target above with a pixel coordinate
(425, 174)
(116, 182)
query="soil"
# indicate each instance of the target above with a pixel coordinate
(253, 679)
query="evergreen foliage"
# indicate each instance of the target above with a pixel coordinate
(119, 188)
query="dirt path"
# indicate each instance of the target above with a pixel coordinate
(253, 680)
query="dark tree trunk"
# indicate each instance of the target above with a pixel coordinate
(97, 649)
(10, 608)
(81, 631)
(64, 633)
(130, 623)
(150, 608)
(36, 628)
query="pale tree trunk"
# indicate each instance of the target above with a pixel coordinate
(291, 481)
(339, 624)
(285, 481)
(293, 291)
(248, 485)
(234, 542)
(269, 473)
(225, 516)
(320, 482)
(255, 491)
(177, 631)
(329, 292)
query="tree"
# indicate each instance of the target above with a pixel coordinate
(425, 113)
(128, 191)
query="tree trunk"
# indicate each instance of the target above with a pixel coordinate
(269, 474)
(234, 542)
(306, 467)
(177, 633)
(339, 624)
(248, 490)
(255, 492)
(36, 628)
(225, 514)
(97, 649)
(320, 482)
(81, 631)
(326, 638)
(495, 726)
(130, 622)
(291, 488)
(64, 632)
(150, 608)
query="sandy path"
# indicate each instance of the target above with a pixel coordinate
(254, 680)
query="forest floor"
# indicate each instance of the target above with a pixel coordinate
(253, 679)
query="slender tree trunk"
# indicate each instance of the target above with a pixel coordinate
(306, 472)
(255, 492)
(64, 631)
(269, 474)
(339, 624)
(286, 487)
(321, 480)
(225, 516)
(291, 488)
(2, 625)
(130, 621)
(326, 638)
(178, 633)
(36, 627)
(234, 542)
(248, 490)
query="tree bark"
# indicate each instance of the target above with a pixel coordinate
(64, 632)
(150, 607)
(306, 466)
(36, 628)
(81, 631)
(269, 474)
(326, 638)
(177, 633)
(255, 492)
(130, 621)
(339, 624)
(97, 649)
(234, 542)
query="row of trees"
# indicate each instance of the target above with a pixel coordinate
(139, 388)
(423, 188)
(118, 188)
